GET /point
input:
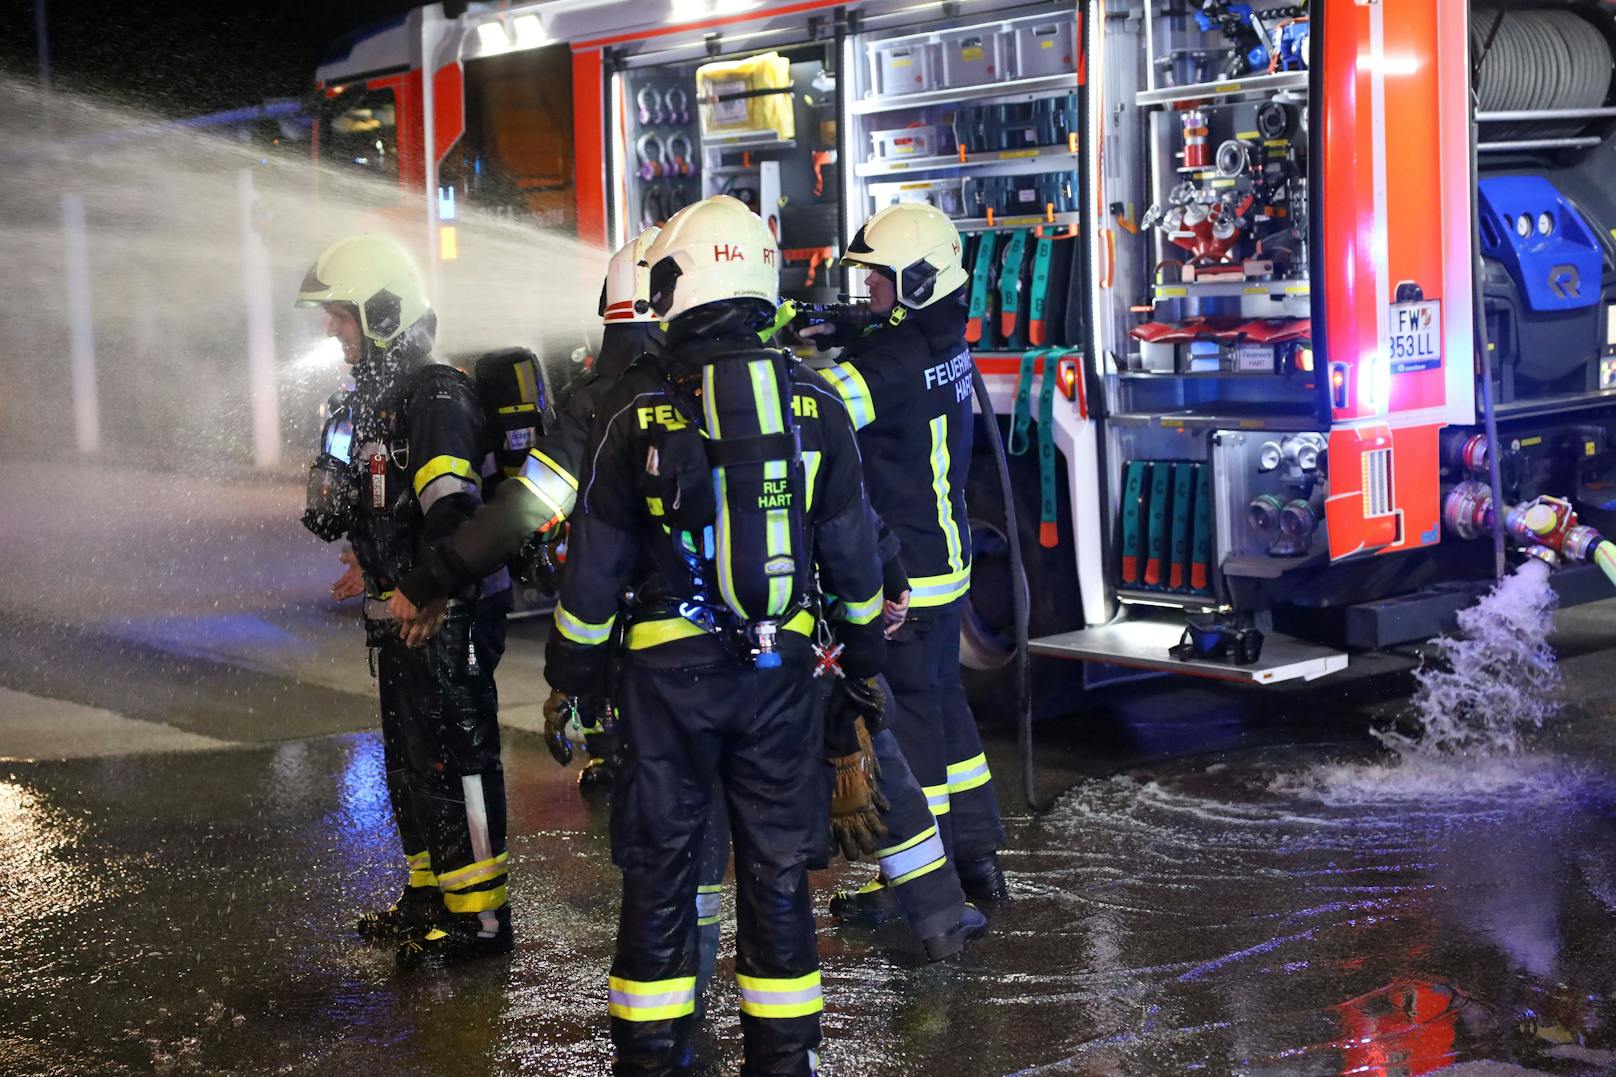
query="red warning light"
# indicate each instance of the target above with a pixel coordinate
(1338, 386)
(1068, 378)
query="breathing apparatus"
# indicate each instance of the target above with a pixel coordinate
(329, 497)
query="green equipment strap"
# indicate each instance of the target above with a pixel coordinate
(1043, 251)
(1047, 534)
(983, 273)
(1010, 282)
(1021, 416)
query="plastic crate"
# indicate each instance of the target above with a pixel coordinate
(974, 56)
(902, 65)
(927, 140)
(942, 193)
(1044, 47)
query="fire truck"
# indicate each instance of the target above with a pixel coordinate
(1284, 310)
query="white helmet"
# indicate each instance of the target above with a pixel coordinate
(712, 251)
(376, 276)
(626, 295)
(918, 244)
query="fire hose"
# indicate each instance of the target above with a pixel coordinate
(1018, 599)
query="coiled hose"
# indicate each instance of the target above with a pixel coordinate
(1538, 60)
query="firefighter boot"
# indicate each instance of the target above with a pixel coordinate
(983, 879)
(972, 924)
(459, 938)
(415, 912)
(871, 904)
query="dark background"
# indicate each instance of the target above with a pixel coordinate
(183, 59)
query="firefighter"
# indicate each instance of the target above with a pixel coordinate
(722, 475)
(907, 384)
(530, 511)
(537, 503)
(400, 471)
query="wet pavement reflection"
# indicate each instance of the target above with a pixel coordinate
(1231, 886)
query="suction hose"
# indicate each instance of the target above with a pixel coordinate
(1018, 598)
(1605, 558)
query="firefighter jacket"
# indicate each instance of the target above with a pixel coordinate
(621, 544)
(907, 387)
(541, 493)
(420, 440)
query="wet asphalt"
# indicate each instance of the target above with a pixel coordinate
(1229, 882)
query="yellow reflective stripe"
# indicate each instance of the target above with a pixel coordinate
(646, 634)
(763, 996)
(810, 473)
(651, 1000)
(855, 393)
(939, 483)
(969, 774)
(566, 476)
(423, 879)
(526, 388)
(875, 884)
(421, 859)
(558, 512)
(936, 798)
(439, 466)
(581, 631)
(939, 590)
(518, 409)
(472, 874)
(477, 900)
(654, 504)
(862, 613)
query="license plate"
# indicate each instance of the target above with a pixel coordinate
(1414, 333)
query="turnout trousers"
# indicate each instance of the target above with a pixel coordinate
(755, 737)
(440, 737)
(912, 859)
(935, 729)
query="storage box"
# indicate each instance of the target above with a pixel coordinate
(1044, 47)
(942, 193)
(723, 111)
(902, 65)
(974, 56)
(927, 140)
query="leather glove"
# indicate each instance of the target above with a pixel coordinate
(856, 802)
(564, 723)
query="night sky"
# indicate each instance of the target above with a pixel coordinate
(183, 59)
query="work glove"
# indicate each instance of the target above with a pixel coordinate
(566, 719)
(852, 699)
(856, 802)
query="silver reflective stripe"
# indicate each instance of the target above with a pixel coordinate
(779, 998)
(444, 485)
(376, 609)
(477, 823)
(498, 581)
(707, 905)
(899, 864)
(645, 1002)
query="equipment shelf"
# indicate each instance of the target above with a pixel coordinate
(1230, 417)
(1040, 154)
(1224, 90)
(1144, 644)
(1176, 600)
(1031, 220)
(746, 140)
(1231, 289)
(1013, 88)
